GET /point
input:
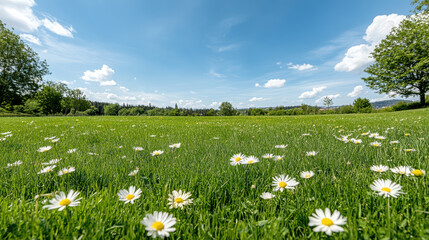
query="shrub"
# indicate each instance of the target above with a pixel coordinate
(399, 106)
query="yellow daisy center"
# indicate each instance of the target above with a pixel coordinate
(380, 170)
(376, 145)
(386, 189)
(282, 184)
(44, 150)
(158, 226)
(178, 200)
(157, 153)
(308, 176)
(129, 196)
(237, 159)
(327, 222)
(251, 161)
(401, 172)
(418, 172)
(65, 171)
(65, 202)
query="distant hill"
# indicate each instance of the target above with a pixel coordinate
(387, 103)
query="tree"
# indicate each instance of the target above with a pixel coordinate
(75, 99)
(362, 105)
(421, 5)
(21, 70)
(402, 60)
(226, 109)
(111, 109)
(327, 101)
(49, 99)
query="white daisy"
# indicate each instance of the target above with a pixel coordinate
(92, 154)
(365, 133)
(306, 134)
(418, 172)
(61, 201)
(373, 135)
(138, 149)
(237, 159)
(176, 145)
(73, 150)
(394, 142)
(129, 196)
(267, 156)
(311, 154)
(53, 161)
(55, 140)
(375, 144)
(403, 170)
(281, 146)
(14, 164)
(66, 170)
(6, 133)
(159, 224)
(380, 137)
(179, 199)
(356, 141)
(47, 169)
(267, 195)
(283, 182)
(157, 152)
(386, 188)
(50, 138)
(250, 160)
(307, 174)
(44, 149)
(278, 158)
(134, 172)
(379, 168)
(327, 223)
(152, 136)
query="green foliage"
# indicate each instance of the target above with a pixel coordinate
(327, 101)
(226, 109)
(18, 108)
(136, 111)
(111, 109)
(257, 111)
(32, 106)
(124, 112)
(420, 5)
(91, 111)
(74, 98)
(402, 60)
(49, 99)
(211, 112)
(156, 112)
(362, 105)
(22, 70)
(400, 106)
(346, 109)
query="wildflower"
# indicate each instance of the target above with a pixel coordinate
(284, 182)
(407, 134)
(386, 188)
(66, 170)
(311, 154)
(152, 136)
(53, 161)
(365, 133)
(157, 152)
(306, 134)
(375, 144)
(394, 142)
(73, 150)
(409, 150)
(278, 158)
(418, 172)
(356, 141)
(159, 224)
(380, 137)
(307, 174)
(138, 149)
(267, 156)
(325, 222)
(250, 160)
(281, 146)
(44, 149)
(92, 154)
(61, 201)
(267, 195)
(237, 159)
(47, 169)
(129, 196)
(55, 140)
(6, 133)
(403, 170)
(14, 164)
(176, 145)
(373, 135)
(379, 168)
(50, 138)
(179, 199)
(134, 172)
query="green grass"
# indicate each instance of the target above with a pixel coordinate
(225, 204)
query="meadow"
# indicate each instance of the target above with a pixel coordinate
(227, 201)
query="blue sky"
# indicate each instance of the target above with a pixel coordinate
(200, 53)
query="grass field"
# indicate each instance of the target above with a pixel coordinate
(226, 199)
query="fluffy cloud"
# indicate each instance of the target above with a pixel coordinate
(256, 99)
(273, 83)
(189, 103)
(19, 15)
(356, 91)
(358, 57)
(303, 67)
(312, 93)
(30, 38)
(57, 28)
(102, 76)
(215, 104)
(333, 96)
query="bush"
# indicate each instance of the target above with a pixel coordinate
(399, 106)
(362, 105)
(91, 112)
(18, 108)
(111, 109)
(32, 106)
(414, 105)
(257, 112)
(346, 109)
(124, 112)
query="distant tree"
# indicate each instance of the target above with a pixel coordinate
(124, 112)
(259, 111)
(402, 60)
(362, 105)
(49, 99)
(21, 70)
(420, 5)
(32, 106)
(111, 109)
(226, 109)
(327, 101)
(211, 112)
(74, 99)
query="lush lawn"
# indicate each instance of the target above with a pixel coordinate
(226, 206)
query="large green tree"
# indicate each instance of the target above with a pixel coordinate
(421, 5)
(226, 109)
(21, 70)
(402, 60)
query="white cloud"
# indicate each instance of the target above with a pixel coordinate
(131, 98)
(356, 91)
(312, 93)
(30, 38)
(102, 76)
(273, 83)
(388, 96)
(358, 57)
(215, 74)
(256, 99)
(333, 96)
(227, 47)
(215, 104)
(124, 89)
(302, 67)
(19, 15)
(68, 83)
(57, 28)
